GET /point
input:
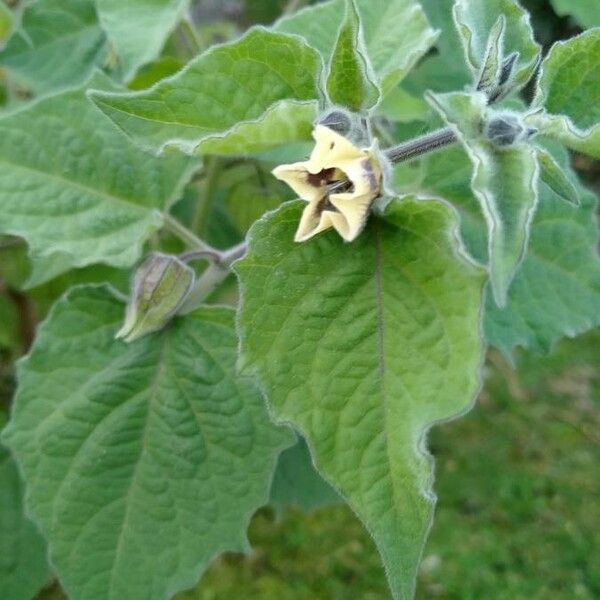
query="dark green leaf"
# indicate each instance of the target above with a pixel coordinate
(145, 460)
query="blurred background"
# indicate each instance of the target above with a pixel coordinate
(518, 478)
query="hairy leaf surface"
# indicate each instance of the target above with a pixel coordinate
(363, 347)
(138, 28)
(475, 20)
(145, 460)
(76, 188)
(505, 181)
(585, 12)
(556, 290)
(59, 44)
(228, 85)
(569, 89)
(350, 79)
(396, 33)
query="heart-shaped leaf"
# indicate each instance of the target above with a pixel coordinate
(142, 461)
(363, 347)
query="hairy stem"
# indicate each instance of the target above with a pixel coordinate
(421, 145)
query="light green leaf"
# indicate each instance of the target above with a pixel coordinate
(6, 23)
(475, 20)
(138, 28)
(554, 177)
(351, 81)
(396, 33)
(491, 65)
(363, 347)
(446, 69)
(569, 89)
(23, 565)
(142, 461)
(505, 181)
(228, 85)
(76, 188)
(398, 105)
(59, 44)
(585, 12)
(297, 483)
(556, 291)
(285, 123)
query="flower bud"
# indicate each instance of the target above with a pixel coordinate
(505, 130)
(160, 286)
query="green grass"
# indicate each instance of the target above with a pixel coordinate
(518, 513)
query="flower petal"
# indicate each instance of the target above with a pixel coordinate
(296, 176)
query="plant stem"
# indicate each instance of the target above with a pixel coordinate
(211, 172)
(421, 145)
(216, 272)
(184, 234)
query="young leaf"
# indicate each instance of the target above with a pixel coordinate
(569, 89)
(396, 33)
(491, 65)
(475, 19)
(363, 347)
(59, 44)
(556, 291)
(585, 12)
(555, 178)
(505, 181)
(228, 85)
(297, 483)
(138, 28)
(142, 461)
(76, 188)
(350, 82)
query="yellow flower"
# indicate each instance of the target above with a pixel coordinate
(333, 159)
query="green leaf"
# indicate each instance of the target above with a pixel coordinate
(76, 188)
(59, 44)
(585, 12)
(554, 177)
(142, 461)
(505, 181)
(297, 483)
(475, 19)
(569, 89)
(491, 65)
(363, 347)
(285, 123)
(6, 23)
(396, 33)
(228, 85)
(138, 28)
(351, 82)
(400, 106)
(23, 565)
(556, 291)
(445, 70)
